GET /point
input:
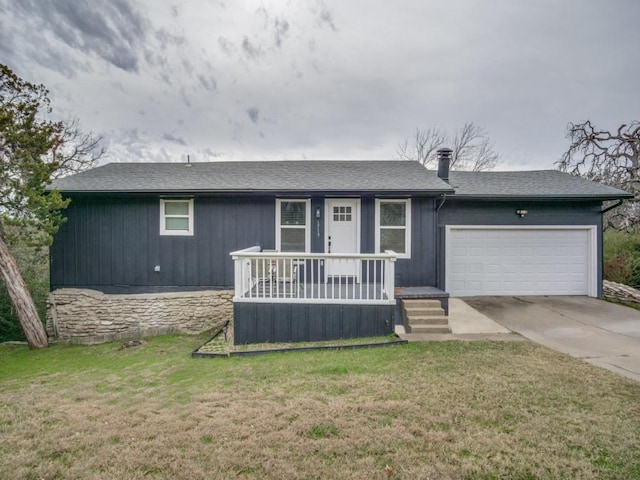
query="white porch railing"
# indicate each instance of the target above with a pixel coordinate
(269, 276)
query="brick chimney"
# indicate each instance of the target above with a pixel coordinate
(444, 161)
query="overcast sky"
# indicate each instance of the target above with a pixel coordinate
(343, 79)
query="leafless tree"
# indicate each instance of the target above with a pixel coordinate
(610, 157)
(472, 148)
(75, 150)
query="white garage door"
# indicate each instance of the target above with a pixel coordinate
(516, 261)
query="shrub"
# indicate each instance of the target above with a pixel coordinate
(622, 257)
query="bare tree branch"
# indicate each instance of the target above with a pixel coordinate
(74, 150)
(423, 146)
(472, 149)
(607, 157)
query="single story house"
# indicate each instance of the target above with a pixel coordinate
(325, 249)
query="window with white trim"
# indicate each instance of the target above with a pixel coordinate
(176, 217)
(393, 226)
(293, 225)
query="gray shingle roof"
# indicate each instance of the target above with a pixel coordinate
(280, 176)
(530, 184)
(330, 176)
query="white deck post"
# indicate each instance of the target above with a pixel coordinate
(390, 274)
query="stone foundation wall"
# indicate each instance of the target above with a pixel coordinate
(619, 291)
(89, 316)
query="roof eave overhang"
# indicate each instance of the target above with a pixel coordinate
(304, 193)
(505, 198)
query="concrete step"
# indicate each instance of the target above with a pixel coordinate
(427, 329)
(427, 320)
(423, 311)
(424, 316)
(421, 303)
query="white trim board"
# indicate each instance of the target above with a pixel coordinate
(592, 247)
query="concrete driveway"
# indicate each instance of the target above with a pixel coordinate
(602, 333)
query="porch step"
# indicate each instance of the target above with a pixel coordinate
(424, 312)
(421, 303)
(427, 328)
(429, 320)
(424, 316)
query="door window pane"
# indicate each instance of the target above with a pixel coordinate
(342, 214)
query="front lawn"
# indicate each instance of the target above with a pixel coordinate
(426, 410)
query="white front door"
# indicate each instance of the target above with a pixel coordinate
(342, 234)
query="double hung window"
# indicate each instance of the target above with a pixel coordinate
(176, 217)
(293, 225)
(393, 226)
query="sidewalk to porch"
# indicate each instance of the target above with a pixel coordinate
(466, 323)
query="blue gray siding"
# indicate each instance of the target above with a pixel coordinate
(112, 243)
(295, 322)
(465, 212)
(419, 270)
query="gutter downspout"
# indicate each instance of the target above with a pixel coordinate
(601, 240)
(439, 239)
(611, 207)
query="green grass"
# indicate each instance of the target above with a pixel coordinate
(424, 410)
(323, 430)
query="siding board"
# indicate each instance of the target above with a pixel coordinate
(299, 322)
(312, 322)
(263, 325)
(102, 215)
(281, 323)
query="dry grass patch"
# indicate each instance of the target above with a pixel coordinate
(433, 410)
(221, 344)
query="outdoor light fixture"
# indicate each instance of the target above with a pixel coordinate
(521, 213)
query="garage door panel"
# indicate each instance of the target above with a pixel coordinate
(458, 251)
(475, 268)
(492, 268)
(518, 261)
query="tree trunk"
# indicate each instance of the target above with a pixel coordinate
(21, 299)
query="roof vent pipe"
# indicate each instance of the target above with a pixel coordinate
(444, 161)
